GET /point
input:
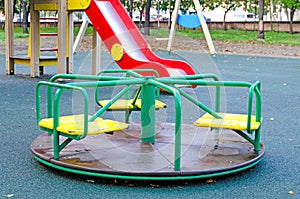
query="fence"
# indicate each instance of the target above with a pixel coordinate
(268, 26)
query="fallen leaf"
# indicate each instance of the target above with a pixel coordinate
(291, 192)
(209, 181)
(131, 185)
(90, 181)
(154, 185)
(9, 195)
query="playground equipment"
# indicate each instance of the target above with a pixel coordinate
(188, 21)
(44, 60)
(202, 21)
(112, 23)
(82, 30)
(64, 60)
(96, 45)
(145, 150)
(125, 42)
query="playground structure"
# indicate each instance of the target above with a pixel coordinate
(110, 20)
(64, 58)
(183, 21)
(148, 150)
(85, 143)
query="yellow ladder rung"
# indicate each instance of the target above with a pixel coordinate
(229, 121)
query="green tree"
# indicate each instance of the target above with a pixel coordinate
(164, 4)
(16, 6)
(227, 5)
(168, 5)
(271, 7)
(128, 4)
(139, 6)
(185, 5)
(292, 5)
(125, 4)
(2, 6)
(251, 6)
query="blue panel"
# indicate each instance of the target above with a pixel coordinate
(189, 21)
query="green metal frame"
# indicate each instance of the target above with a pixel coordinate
(149, 86)
(254, 89)
(129, 73)
(151, 178)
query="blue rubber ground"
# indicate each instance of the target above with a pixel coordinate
(274, 177)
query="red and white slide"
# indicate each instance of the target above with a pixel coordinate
(125, 42)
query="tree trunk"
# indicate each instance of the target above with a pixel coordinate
(261, 34)
(224, 20)
(292, 12)
(15, 7)
(25, 17)
(130, 8)
(170, 15)
(141, 19)
(169, 20)
(271, 15)
(280, 10)
(147, 18)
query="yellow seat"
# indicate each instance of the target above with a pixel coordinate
(128, 104)
(229, 121)
(73, 125)
(158, 104)
(119, 104)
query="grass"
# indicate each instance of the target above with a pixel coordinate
(278, 38)
(18, 32)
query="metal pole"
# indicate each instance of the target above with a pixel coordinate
(148, 113)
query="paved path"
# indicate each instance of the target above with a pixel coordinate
(277, 174)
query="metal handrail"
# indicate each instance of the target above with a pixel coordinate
(166, 84)
(56, 110)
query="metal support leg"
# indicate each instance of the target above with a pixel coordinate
(56, 145)
(148, 113)
(257, 140)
